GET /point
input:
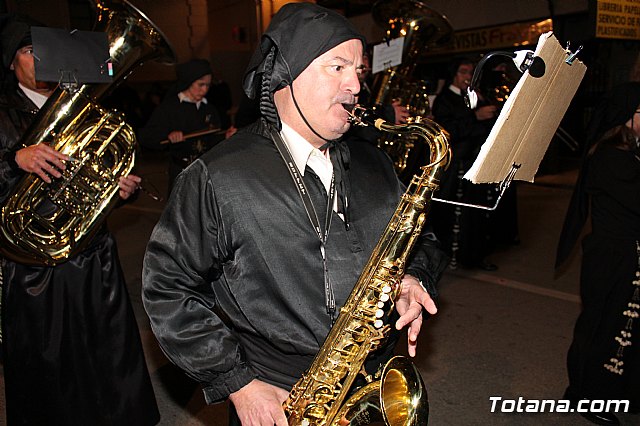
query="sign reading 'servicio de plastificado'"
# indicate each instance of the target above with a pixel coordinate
(619, 19)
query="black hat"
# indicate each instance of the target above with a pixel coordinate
(15, 32)
(297, 34)
(300, 32)
(190, 71)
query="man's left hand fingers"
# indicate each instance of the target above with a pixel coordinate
(412, 314)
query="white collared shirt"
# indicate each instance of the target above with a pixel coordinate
(184, 98)
(304, 154)
(455, 89)
(37, 98)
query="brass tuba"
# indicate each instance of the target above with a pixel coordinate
(398, 397)
(422, 28)
(45, 224)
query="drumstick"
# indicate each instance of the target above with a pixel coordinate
(195, 134)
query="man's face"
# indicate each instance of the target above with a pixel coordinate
(320, 90)
(25, 71)
(462, 79)
(24, 67)
(366, 67)
(199, 88)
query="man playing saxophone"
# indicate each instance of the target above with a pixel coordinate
(72, 353)
(265, 235)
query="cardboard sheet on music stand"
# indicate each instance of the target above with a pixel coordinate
(529, 117)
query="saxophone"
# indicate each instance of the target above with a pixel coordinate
(398, 398)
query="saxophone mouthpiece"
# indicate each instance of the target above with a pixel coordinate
(358, 114)
(349, 107)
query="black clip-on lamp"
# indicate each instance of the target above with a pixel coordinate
(523, 59)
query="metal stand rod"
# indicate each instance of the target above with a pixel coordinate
(502, 187)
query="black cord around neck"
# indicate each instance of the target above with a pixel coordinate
(295, 102)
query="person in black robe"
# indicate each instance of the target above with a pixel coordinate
(603, 361)
(184, 111)
(72, 353)
(244, 274)
(464, 231)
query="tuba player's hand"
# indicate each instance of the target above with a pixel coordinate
(128, 185)
(401, 112)
(42, 160)
(413, 298)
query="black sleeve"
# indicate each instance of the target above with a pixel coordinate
(428, 261)
(181, 263)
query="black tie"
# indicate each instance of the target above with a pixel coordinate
(339, 154)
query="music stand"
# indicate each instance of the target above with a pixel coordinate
(530, 117)
(528, 120)
(71, 58)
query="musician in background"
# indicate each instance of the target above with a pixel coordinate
(245, 272)
(463, 230)
(72, 353)
(184, 111)
(394, 113)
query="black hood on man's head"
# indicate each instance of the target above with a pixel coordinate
(15, 32)
(298, 34)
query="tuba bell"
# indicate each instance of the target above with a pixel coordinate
(46, 224)
(422, 28)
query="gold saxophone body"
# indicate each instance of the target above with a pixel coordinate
(399, 397)
(46, 224)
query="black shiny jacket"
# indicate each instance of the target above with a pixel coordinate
(16, 114)
(233, 273)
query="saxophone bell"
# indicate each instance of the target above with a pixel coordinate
(398, 398)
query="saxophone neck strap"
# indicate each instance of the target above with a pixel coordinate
(321, 233)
